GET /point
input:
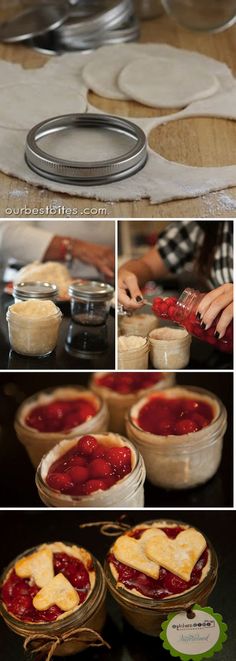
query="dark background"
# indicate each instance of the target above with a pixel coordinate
(17, 486)
(23, 530)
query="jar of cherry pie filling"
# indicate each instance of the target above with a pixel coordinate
(53, 415)
(183, 312)
(133, 352)
(146, 601)
(86, 585)
(120, 390)
(179, 433)
(67, 477)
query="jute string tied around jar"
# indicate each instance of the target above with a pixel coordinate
(109, 528)
(44, 644)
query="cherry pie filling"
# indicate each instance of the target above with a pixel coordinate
(89, 466)
(61, 415)
(18, 593)
(163, 416)
(169, 309)
(168, 584)
(127, 382)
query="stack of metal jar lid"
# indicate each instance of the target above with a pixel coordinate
(68, 25)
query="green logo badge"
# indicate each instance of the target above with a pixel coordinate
(194, 638)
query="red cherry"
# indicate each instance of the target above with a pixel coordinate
(21, 605)
(174, 584)
(87, 445)
(79, 578)
(75, 460)
(51, 613)
(186, 426)
(78, 474)
(99, 468)
(94, 485)
(199, 420)
(59, 481)
(119, 457)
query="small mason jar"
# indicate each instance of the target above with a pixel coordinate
(133, 353)
(119, 403)
(25, 291)
(33, 335)
(210, 16)
(147, 615)
(138, 324)
(169, 348)
(187, 460)
(90, 302)
(91, 614)
(38, 443)
(128, 492)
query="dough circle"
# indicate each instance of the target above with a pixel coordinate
(166, 83)
(35, 102)
(102, 72)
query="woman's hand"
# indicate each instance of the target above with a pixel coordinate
(218, 301)
(127, 281)
(102, 257)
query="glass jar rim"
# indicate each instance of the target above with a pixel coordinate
(169, 603)
(81, 389)
(142, 347)
(41, 484)
(186, 339)
(181, 438)
(14, 317)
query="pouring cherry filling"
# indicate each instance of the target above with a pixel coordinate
(61, 414)
(179, 415)
(168, 308)
(18, 593)
(128, 382)
(88, 467)
(168, 584)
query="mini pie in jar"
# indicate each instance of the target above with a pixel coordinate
(53, 415)
(160, 567)
(169, 348)
(138, 324)
(179, 433)
(53, 591)
(92, 471)
(133, 352)
(120, 390)
(33, 327)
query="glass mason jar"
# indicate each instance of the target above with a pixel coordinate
(119, 403)
(209, 16)
(138, 324)
(147, 615)
(31, 335)
(133, 354)
(25, 291)
(91, 614)
(90, 302)
(38, 443)
(187, 460)
(169, 348)
(128, 492)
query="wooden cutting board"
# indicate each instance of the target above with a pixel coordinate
(212, 141)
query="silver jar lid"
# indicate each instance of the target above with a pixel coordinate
(128, 32)
(86, 172)
(91, 290)
(93, 16)
(39, 290)
(34, 21)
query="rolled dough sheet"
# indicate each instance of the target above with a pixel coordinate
(161, 82)
(35, 102)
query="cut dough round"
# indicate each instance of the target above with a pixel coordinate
(101, 74)
(166, 83)
(35, 102)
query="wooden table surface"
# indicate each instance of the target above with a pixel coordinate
(212, 140)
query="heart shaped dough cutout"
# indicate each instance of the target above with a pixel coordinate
(130, 552)
(59, 592)
(178, 555)
(38, 565)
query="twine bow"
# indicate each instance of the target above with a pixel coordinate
(108, 528)
(44, 644)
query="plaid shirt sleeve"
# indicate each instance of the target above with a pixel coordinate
(177, 244)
